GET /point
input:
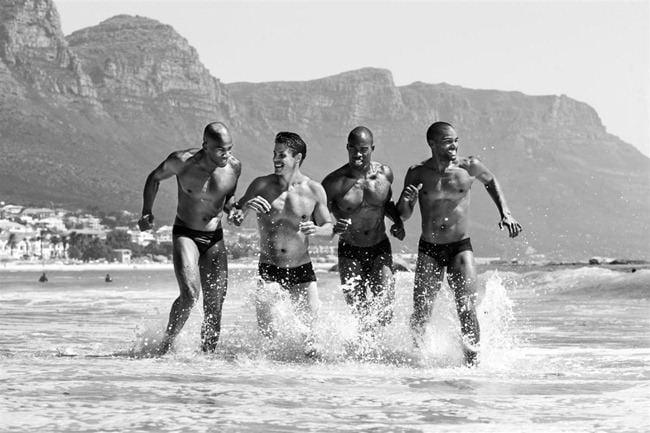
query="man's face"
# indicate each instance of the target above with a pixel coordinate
(445, 144)
(359, 153)
(218, 150)
(284, 160)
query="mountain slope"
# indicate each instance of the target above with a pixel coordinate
(83, 120)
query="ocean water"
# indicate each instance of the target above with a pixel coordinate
(564, 350)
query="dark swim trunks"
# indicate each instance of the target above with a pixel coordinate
(366, 255)
(444, 253)
(203, 240)
(287, 277)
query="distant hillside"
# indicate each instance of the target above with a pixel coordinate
(84, 118)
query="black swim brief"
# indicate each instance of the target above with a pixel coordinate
(444, 253)
(203, 240)
(366, 255)
(287, 277)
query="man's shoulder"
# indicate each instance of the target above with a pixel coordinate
(178, 160)
(313, 186)
(418, 166)
(235, 164)
(183, 155)
(337, 174)
(469, 162)
(381, 168)
(265, 179)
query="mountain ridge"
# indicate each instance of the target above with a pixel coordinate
(131, 90)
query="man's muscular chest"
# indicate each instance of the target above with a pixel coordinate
(372, 190)
(453, 184)
(206, 186)
(292, 204)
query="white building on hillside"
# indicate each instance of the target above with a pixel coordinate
(141, 238)
(164, 235)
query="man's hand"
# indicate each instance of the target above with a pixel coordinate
(341, 225)
(236, 217)
(514, 228)
(397, 230)
(145, 222)
(307, 227)
(411, 192)
(259, 204)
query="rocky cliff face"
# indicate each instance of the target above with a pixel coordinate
(139, 64)
(558, 165)
(83, 120)
(32, 44)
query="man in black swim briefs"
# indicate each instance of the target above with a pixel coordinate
(359, 196)
(290, 208)
(442, 184)
(206, 178)
(203, 240)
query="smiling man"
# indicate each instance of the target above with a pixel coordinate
(206, 179)
(290, 208)
(359, 196)
(442, 184)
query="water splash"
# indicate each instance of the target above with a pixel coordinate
(343, 336)
(497, 320)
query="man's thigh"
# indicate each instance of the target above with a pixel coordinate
(428, 278)
(306, 294)
(381, 274)
(350, 271)
(462, 274)
(186, 263)
(213, 265)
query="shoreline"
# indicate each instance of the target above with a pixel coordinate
(51, 267)
(19, 266)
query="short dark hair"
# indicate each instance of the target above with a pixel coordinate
(293, 142)
(435, 129)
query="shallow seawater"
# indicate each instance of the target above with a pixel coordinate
(561, 351)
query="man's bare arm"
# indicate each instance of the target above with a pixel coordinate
(229, 204)
(323, 226)
(341, 224)
(409, 195)
(250, 200)
(166, 169)
(479, 170)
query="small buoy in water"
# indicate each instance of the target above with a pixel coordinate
(43, 278)
(108, 278)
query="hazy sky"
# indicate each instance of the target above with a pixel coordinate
(597, 52)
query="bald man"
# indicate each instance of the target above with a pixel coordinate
(359, 196)
(206, 179)
(442, 184)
